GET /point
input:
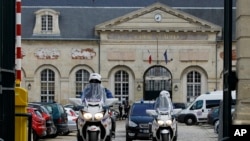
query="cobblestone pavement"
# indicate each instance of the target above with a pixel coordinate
(202, 132)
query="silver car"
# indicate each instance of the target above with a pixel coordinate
(72, 116)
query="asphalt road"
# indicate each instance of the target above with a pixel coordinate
(202, 132)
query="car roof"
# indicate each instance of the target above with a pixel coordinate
(139, 108)
(31, 108)
(144, 101)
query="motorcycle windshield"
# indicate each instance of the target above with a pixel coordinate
(163, 103)
(94, 92)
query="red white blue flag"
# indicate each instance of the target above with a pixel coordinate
(149, 57)
(166, 56)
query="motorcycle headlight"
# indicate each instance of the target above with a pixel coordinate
(160, 122)
(98, 116)
(87, 116)
(169, 122)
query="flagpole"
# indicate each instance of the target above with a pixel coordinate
(157, 49)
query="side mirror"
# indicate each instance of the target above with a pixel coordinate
(110, 101)
(75, 101)
(151, 112)
(106, 107)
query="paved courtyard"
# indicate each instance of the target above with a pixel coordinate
(203, 132)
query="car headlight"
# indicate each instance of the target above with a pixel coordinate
(131, 124)
(98, 116)
(160, 122)
(169, 122)
(87, 116)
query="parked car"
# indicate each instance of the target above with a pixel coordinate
(51, 128)
(59, 116)
(216, 127)
(138, 121)
(178, 106)
(38, 124)
(72, 117)
(217, 123)
(76, 108)
(213, 115)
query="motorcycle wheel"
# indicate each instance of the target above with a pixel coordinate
(93, 136)
(165, 137)
(176, 135)
(78, 137)
(109, 137)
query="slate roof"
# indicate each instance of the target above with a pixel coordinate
(78, 18)
(125, 3)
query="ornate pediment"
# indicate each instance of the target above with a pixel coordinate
(158, 18)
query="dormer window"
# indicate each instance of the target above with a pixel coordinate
(47, 22)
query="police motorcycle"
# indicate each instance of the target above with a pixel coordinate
(164, 126)
(94, 120)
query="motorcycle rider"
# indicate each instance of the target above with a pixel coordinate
(164, 126)
(96, 78)
(162, 93)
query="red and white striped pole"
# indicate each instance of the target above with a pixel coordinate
(18, 41)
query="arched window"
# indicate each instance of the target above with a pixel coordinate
(122, 85)
(193, 85)
(47, 85)
(82, 79)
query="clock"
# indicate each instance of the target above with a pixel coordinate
(158, 17)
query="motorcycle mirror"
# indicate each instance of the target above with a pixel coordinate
(75, 101)
(106, 107)
(110, 101)
(151, 112)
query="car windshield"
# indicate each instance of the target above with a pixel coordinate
(44, 109)
(140, 109)
(38, 113)
(94, 92)
(163, 103)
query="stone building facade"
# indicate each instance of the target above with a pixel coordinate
(242, 115)
(138, 53)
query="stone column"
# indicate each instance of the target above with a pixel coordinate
(242, 115)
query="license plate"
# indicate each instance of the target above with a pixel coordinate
(144, 131)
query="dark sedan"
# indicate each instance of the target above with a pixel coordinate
(138, 121)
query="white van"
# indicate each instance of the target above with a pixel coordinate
(198, 110)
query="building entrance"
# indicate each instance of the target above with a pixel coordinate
(156, 79)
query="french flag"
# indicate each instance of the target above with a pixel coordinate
(166, 56)
(149, 57)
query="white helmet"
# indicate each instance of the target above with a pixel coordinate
(95, 77)
(163, 92)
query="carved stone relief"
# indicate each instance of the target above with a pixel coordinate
(78, 53)
(47, 53)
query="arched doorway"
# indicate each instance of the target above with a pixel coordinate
(156, 79)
